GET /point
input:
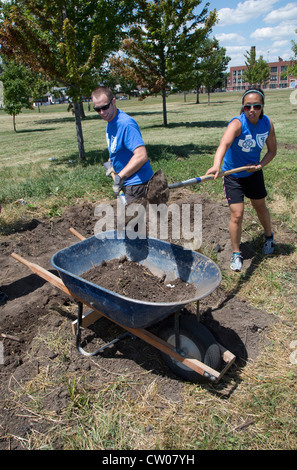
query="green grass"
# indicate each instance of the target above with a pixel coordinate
(266, 390)
(40, 162)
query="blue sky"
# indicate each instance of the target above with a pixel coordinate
(269, 25)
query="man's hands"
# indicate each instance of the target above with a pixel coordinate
(117, 180)
(117, 184)
(108, 168)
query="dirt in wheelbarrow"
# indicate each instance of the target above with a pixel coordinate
(37, 345)
(131, 279)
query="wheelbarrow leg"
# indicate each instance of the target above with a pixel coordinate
(176, 329)
(78, 335)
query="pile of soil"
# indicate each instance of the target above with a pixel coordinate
(36, 309)
(135, 281)
(158, 191)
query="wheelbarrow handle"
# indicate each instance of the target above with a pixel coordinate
(77, 234)
(47, 275)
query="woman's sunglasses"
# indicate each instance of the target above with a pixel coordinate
(102, 108)
(256, 107)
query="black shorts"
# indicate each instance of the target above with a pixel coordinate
(252, 186)
(135, 192)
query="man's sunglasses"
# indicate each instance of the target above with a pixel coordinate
(102, 108)
(257, 107)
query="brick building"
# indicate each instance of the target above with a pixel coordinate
(235, 80)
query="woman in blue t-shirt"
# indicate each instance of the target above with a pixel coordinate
(241, 145)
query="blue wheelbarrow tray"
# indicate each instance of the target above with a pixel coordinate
(160, 257)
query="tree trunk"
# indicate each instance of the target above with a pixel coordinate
(197, 94)
(164, 106)
(82, 111)
(79, 133)
(13, 121)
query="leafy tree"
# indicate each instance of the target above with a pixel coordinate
(40, 88)
(258, 71)
(292, 69)
(162, 42)
(65, 40)
(193, 77)
(214, 66)
(18, 83)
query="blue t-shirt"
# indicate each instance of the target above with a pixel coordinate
(247, 147)
(123, 136)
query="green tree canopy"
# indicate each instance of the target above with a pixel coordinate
(162, 42)
(64, 40)
(292, 69)
(214, 65)
(18, 82)
(258, 71)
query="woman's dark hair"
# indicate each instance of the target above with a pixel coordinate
(254, 89)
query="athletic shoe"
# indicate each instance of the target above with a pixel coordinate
(269, 245)
(236, 262)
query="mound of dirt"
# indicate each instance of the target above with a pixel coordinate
(35, 307)
(135, 281)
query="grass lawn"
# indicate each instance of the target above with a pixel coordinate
(39, 165)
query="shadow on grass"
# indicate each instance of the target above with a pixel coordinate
(29, 131)
(198, 124)
(252, 250)
(155, 154)
(137, 114)
(227, 335)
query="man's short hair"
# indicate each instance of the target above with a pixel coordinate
(103, 90)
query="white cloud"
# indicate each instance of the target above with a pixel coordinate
(284, 43)
(231, 38)
(282, 31)
(237, 54)
(244, 12)
(287, 13)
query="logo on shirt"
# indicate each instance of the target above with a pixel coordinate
(261, 139)
(113, 144)
(247, 144)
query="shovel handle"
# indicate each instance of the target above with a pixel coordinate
(200, 179)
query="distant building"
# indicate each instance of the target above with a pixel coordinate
(235, 81)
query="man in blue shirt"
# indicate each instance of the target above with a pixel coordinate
(127, 152)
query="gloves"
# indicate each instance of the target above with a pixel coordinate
(117, 184)
(108, 168)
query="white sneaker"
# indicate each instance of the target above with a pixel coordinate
(236, 262)
(269, 245)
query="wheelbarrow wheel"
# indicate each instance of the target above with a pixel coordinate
(196, 342)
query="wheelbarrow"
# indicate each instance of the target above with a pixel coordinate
(186, 346)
